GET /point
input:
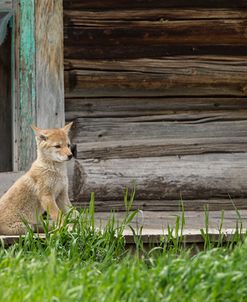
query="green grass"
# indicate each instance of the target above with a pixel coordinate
(215, 275)
(87, 264)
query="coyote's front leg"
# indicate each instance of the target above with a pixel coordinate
(64, 203)
(49, 205)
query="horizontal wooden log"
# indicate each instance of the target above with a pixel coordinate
(134, 51)
(144, 4)
(186, 76)
(79, 18)
(160, 147)
(159, 127)
(123, 107)
(102, 40)
(219, 204)
(208, 176)
(162, 65)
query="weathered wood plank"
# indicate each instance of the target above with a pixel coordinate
(171, 26)
(163, 178)
(123, 107)
(153, 38)
(162, 65)
(49, 63)
(167, 205)
(38, 88)
(7, 179)
(152, 236)
(135, 51)
(5, 108)
(144, 4)
(159, 127)
(6, 5)
(134, 84)
(155, 226)
(160, 147)
(158, 221)
(189, 236)
(186, 76)
(25, 90)
(79, 18)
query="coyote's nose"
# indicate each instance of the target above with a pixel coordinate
(70, 156)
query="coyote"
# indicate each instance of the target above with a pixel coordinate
(43, 188)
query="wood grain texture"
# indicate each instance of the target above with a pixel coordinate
(25, 98)
(177, 126)
(156, 221)
(158, 90)
(152, 29)
(7, 179)
(130, 106)
(134, 51)
(178, 64)
(144, 4)
(163, 178)
(6, 5)
(219, 204)
(38, 88)
(183, 76)
(138, 39)
(5, 108)
(49, 63)
(152, 236)
(155, 225)
(76, 18)
(160, 147)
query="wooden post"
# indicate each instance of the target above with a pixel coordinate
(25, 94)
(39, 94)
(49, 63)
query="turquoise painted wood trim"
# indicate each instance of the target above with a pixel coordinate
(27, 83)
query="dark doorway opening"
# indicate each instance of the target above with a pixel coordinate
(5, 104)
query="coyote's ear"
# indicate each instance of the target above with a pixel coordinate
(39, 133)
(67, 127)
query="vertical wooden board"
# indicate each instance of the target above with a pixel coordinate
(25, 103)
(5, 106)
(49, 63)
(7, 179)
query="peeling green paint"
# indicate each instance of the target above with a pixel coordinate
(27, 86)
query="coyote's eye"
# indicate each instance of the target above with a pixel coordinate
(57, 146)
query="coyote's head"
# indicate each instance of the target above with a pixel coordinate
(53, 144)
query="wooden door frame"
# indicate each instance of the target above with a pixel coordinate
(37, 72)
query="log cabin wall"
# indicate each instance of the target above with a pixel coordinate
(157, 90)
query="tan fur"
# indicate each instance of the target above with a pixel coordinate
(43, 188)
